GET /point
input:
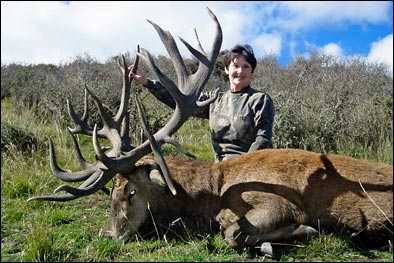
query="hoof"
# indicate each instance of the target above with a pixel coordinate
(307, 230)
(266, 249)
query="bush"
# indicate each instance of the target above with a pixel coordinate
(322, 104)
(17, 138)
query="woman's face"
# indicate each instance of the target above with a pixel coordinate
(239, 72)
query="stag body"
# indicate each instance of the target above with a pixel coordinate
(267, 195)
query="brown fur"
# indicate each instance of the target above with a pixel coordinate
(267, 195)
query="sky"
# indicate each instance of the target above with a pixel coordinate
(56, 32)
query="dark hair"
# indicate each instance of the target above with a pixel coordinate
(244, 50)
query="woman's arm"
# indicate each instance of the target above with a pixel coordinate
(264, 119)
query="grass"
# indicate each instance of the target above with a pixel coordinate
(69, 231)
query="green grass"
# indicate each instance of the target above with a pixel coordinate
(69, 231)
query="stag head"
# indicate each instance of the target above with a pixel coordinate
(122, 157)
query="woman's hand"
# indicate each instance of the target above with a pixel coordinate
(138, 76)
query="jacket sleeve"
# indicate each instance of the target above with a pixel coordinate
(264, 120)
(161, 93)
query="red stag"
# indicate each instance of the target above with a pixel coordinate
(264, 196)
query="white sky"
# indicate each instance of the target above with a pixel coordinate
(56, 32)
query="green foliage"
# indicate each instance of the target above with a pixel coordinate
(322, 105)
(325, 105)
(41, 247)
(18, 138)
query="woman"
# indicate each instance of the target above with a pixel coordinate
(240, 119)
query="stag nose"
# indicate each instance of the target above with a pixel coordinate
(116, 235)
(126, 238)
(107, 233)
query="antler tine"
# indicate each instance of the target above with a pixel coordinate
(77, 151)
(217, 42)
(110, 129)
(126, 90)
(68, 176)
(123, 116)
(167, 82)
(200, 48)
(81, 124)
(68, 196)
(172, 49)
(96, 182)
(155, 147)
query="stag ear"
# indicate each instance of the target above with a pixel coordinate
(155, 175)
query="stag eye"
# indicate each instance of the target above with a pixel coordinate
(131, 194)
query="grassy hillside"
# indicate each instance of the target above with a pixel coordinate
(69, 231)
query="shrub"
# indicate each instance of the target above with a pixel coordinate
(17, 138)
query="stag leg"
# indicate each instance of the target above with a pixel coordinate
(290, 232)
(261, 225)
(236, 238)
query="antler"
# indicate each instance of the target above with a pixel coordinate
(121, 158)
(116, 130)
(185, 94)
